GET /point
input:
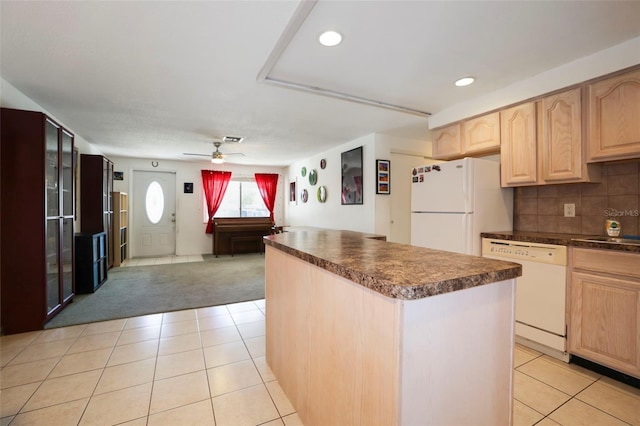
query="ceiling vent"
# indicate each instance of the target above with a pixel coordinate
(234, 139)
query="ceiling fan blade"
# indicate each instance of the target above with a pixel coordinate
(232, 153)
(200, 155)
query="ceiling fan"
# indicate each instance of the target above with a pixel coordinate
(217, 157)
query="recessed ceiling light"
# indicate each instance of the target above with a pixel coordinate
(330, 38)
(465, 81)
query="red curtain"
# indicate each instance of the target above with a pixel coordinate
(215, 185)
(267, 184)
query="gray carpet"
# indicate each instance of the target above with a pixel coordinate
(141, 290)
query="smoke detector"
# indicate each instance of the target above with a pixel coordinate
(234, 139)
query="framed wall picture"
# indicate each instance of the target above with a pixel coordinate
(188, 187)
(292, 192)
(351, 166)
(383, 173)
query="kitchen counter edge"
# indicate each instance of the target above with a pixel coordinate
(568, 240)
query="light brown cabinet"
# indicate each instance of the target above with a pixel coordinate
(120, 227)
(477, 136)
(542, 142)
(604, 308)
(614, 118)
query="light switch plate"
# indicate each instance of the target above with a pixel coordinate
(570, 210)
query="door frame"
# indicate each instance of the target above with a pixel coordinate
(132, 231)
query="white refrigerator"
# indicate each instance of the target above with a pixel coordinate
(454, 201)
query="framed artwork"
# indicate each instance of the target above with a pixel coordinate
(351, 167)
(188, 187)
(383, 170)
(292, 192)
(118, 175)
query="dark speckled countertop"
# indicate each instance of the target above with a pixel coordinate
(559, 239)
(395, 270)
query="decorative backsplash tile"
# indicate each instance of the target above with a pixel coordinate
(541, 208)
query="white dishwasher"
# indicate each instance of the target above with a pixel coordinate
(540, 293)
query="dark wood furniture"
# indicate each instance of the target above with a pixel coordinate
(96, 204)
(91, 261)
(239, 234)
(37, 210)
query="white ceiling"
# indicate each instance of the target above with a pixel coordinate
(156, 79)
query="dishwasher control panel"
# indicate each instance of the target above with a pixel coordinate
(543, 253)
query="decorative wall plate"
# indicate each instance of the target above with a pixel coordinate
(313, 177)
(303, 171)
(323, 163)
(322, 194)
(304, 195)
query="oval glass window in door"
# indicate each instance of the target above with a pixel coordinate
(154, 202)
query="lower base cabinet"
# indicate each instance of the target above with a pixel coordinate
(604, 320)
(91, 261)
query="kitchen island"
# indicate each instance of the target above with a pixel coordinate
(362, 331)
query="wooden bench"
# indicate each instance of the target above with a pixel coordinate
(237, 234)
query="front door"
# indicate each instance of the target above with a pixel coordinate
(154, 214)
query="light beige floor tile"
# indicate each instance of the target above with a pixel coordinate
(144, 321)
(179, 363)
(104, 327)
(569, 379)
(38, 351)
(577, 413)
(19, 340)
(81, 362)
(252, 329)
(12, 399)
(537, 395)
(283, 405)
(67, 413)
(63, 389)
(215, 321)
(292, 420)
(241, 307)
(200, 413)
(212, 311)
(178, 391)
(257, 346)
(141, 334)
(260, 303)
(245, 317)
(182, 343)
(177, 316)
(524, 415)
(119, 406)
(20, 374)
(522, 355)
(96, 341)
(126, 375)
(231, 408)
(7, 354)
(142, 421)
(218, 336)
(133, 352)
(195, 258)
(164, 261)
(263, 369)
(276, 422)
(226, 353)
(179, 327)
(61, 333)
(615, 398)
(233, 377)
(5, 421)
(547, 422)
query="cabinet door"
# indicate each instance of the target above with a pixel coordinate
(604, 324)
(518, 150)
(447, 143)
(561, 138)
(481, 135)
(614, 118)
(51, 169)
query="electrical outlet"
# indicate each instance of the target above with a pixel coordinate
(570, 210)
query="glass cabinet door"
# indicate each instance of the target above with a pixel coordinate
(67, 174)
(51, 171)
(53, 273)
(67, 258)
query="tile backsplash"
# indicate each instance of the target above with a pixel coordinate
(541, 208)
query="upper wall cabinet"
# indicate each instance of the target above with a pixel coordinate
(614, 118)
(542, 142)
(479, 135)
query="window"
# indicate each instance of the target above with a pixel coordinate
(154, 202)
(242, 199)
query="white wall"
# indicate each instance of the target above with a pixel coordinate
(371, 216)
(190, 229)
